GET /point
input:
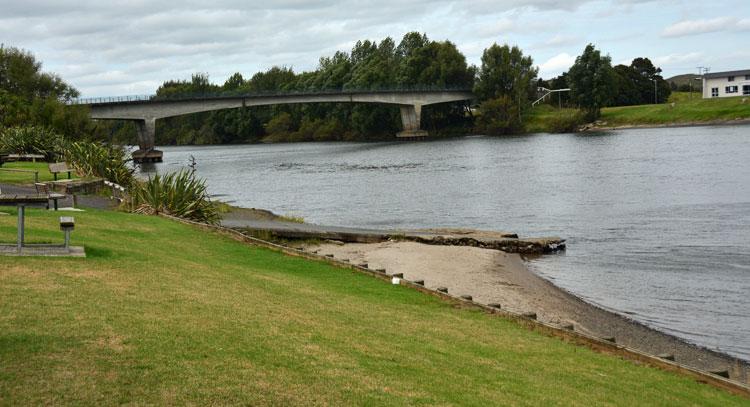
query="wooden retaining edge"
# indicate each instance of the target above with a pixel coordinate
(579, 338)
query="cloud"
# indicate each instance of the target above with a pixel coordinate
(557, 41)
(703, 26)
(127, 46)
(672, 59)
(556, 65)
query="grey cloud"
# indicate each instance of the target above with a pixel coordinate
(132, 45)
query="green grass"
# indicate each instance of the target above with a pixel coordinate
(541, 118)
(684, 111)
(12, 177)
(164, 313)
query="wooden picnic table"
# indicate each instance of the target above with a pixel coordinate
(21, 202)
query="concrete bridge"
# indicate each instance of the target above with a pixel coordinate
(146, 110)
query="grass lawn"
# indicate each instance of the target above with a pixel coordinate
(164, 313)
(685, 110)
(12, 177)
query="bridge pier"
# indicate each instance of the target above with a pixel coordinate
(146, 140)
(411, 116)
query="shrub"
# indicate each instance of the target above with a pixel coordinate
(98, 160)
(498, 117)
(567, 122)
(32, 140)
(178, 194)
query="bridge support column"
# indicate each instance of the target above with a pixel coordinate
(411, 116)
(146, 140)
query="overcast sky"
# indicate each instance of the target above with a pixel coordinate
(117, 47)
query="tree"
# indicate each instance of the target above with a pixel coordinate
(29, 97)
(505, 71)
(506, 80)
(634, 84)
(592, 82)
(234, 82)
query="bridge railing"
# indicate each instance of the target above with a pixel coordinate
(245, 93)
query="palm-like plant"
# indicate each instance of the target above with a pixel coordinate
(98, 160)
(178, 194)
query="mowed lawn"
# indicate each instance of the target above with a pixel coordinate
(25, 177)
(686, 110)
(164, 313)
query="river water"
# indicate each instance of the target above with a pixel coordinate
(657, 220)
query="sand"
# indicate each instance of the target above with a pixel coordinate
(492, 276)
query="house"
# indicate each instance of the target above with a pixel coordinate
(726, 84)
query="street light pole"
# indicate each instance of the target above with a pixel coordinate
(656, 100)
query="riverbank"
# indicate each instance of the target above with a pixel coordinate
(496, 277)
(462, 261)
(165, 313)
(680, 111)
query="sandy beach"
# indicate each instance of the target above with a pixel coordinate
(493, 276)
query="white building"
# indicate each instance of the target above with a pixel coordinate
(726, 84)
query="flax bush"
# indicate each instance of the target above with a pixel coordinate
(31, 140)
(99, 160)
(178, 194)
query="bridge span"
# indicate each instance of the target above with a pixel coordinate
(144, 111)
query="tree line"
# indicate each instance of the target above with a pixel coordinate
(506, 83)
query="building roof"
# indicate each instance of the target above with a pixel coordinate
(727, 73)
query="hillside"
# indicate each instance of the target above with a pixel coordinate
(685, 79)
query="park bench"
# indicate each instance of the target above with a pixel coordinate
(43, 189)
(26, 157)
(56, 168)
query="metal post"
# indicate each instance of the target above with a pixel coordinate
(21, 213)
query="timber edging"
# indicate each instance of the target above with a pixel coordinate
(601, 345)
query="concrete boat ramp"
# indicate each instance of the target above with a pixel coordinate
(266, 224)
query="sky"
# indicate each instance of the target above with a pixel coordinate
(118, 47)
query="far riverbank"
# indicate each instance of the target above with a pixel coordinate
(680, 111)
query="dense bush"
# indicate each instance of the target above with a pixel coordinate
(567, 122)
(178, 194)
(99, 160)
(499, 116)
(31, 140)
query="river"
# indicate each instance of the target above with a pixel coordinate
(657, 220)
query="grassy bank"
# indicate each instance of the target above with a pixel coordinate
(27, 178)
(163, 313)
(685, 111)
